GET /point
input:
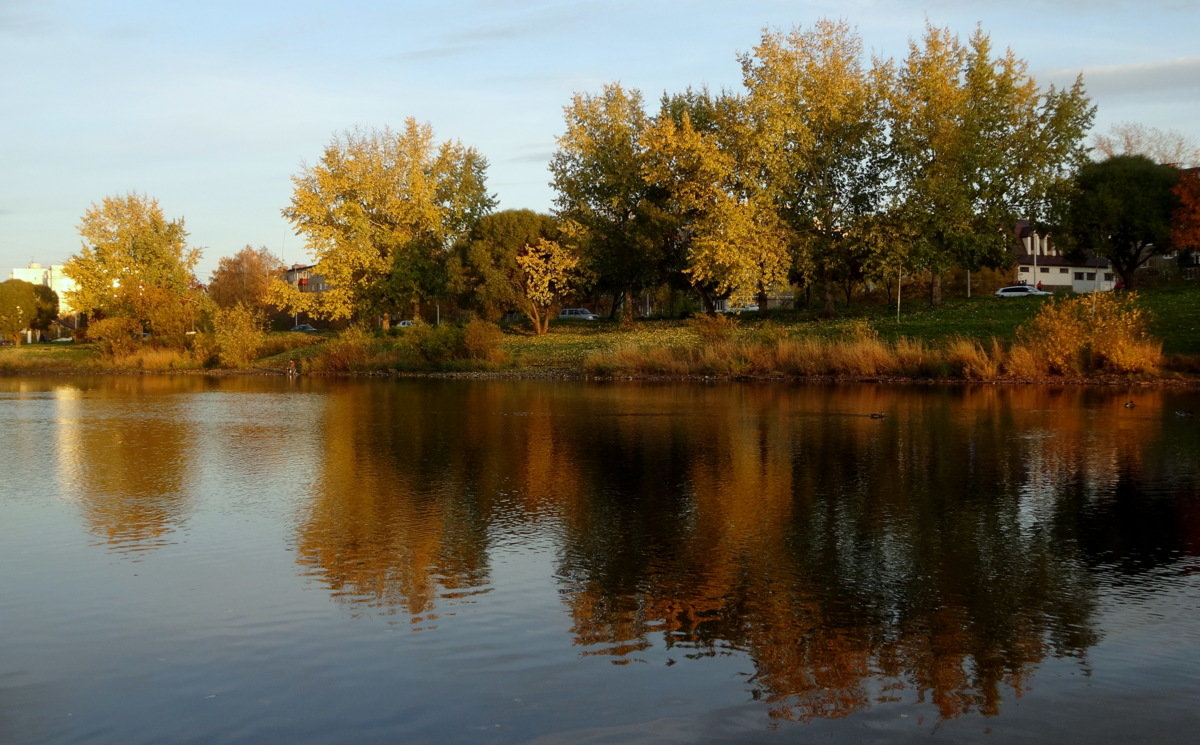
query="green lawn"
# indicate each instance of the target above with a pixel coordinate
(1174, 309)
(49, 356)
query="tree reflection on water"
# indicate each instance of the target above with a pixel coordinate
(942, 550)
(941, 553)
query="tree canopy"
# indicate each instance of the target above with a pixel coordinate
(378, 212)
(977, 145)
(485, 268)
(826, 167)
(1121, 209)
(244, 278)
(603, 200)
(134, 264)
(1167, 147)
(23, 307)
(817, 117)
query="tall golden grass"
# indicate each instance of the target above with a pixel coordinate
(1099, 333)
(1095, 335)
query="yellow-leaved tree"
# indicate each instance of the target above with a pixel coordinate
(378, 213)
(734, 243)
(977, 145)
(135, 264)
(816, 124)
(549, 271)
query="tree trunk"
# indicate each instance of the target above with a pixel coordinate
(627, 311)
(935, 289)
(829, 310)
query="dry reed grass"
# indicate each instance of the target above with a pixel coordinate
(156, 359)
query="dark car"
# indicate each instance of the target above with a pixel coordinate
(303, 327)
(577, 314)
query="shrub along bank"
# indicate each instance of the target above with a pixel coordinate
(1115, 335)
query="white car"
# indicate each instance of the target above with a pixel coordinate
(1020, 291)
(578, 314)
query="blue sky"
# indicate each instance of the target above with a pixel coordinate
(211, 107)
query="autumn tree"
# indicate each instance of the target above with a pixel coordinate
(549, 272)
(244, 278)
(977, 144)
(818, 128)
(732, 241)
(1185, 220)
(379, 213)
(485, 268)
(1121, 210)
(135, 264)
(605, 205)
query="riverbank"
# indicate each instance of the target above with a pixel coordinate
(982, 339)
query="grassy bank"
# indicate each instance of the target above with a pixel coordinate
(980, 338)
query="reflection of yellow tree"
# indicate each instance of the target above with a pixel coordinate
(388, 525)
(853, 558)
(128, 466)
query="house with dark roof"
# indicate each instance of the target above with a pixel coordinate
(305, 278)
(1039, 263)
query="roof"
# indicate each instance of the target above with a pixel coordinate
(1091, 262)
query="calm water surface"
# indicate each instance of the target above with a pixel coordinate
(185, 560)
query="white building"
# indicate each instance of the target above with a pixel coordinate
(1040, 263)
(52, 277)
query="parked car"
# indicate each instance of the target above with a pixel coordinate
(404, 324)
(303, 327)
(1020, 291)
(739, 309)
(578, 314)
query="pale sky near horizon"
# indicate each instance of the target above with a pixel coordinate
(211, 107)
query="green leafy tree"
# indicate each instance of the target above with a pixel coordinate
(485, 267)
(47, 308)
(379, 213)
(135, 264)
(1122, 210)
(606, 206)
(19, 308)
(977, 145)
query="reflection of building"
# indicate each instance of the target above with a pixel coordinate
(1040, 261)
(305, 278)
(52, 277)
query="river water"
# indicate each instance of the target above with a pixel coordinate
(261, 560)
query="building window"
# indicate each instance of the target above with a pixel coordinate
(1045, 270)
(1024, 270)
(1079, 276)
(1091, 276)
(1062, 270)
